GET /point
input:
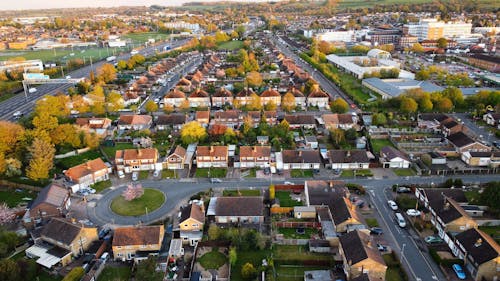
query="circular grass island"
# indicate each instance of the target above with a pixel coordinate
(152, 199)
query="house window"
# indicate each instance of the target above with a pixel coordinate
(135, 167)
(195, 225)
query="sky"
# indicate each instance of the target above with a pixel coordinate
(49, 4)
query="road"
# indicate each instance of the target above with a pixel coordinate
(333, 90)
(25, 106)
(480, 132)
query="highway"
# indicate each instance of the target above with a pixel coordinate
(25, 106)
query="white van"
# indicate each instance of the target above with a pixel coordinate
(401, 220)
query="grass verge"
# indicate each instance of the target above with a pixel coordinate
(152, 199)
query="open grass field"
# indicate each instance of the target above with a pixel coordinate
(289, 252)
(13, 197)
(61, 54)
(231, 45)
(152, 199)
(212, 260)
(121, 273)
(142, 37)
(492, 4)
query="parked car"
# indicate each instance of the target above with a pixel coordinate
(400, 220)
(433, 239)
(215, 180)
(392, 205)
(382, 248)
(376, 231)
(403, 189)
(156, 173)
(413, 213)
(459, 271)
(121, 174)
(267, 171)
(18, 114)
(135, 176)
(288, 183)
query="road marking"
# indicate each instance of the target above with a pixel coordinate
(434, 277)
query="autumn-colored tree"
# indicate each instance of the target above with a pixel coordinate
(425, 104)
(41, 155)
(208, 42)
(91, 140)
(339, 105)
(272, 192)
(221, 36)
(325, 47)
(151, 106)
(234, 35)
(288, 102)
(132, 192)
(80, 104)
(193, 132)
(114, 102)
(337, 136)
(254, 103)
(408, 105)
(248, 271)
(106, 73)
(44, 121)
(444, 105)
(121, 65)
(10, 134)
(168, 108)
(230, 136)
(66, 134)
(270, 106)
(417, 48)
(254, 79)
(217, 130)
(53, 105)
(184, 106)
(3, 164)
(442, 43)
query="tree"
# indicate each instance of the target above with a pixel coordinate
(106, 73)
(379, 119)
(444, 105)
(417, 48)
(9, 270)
(408, 105)
(184, 106)
(270, 106)
(12, 167)
(3, 164)
(66, 134)
(168, 108)
(75, 274)
(213, 232)
(442, 43)
(53, 105)
(288, 102)
(132, 192)
(337, 136)
(193, 132)
(272, 192)
(248, 271)
(151, 106)
(230, 136)
(91, 140)
(44, 121)
(241, 30)
(114, 101)
(7, 215)
(254, 103)
(233, 256)
(221, 36)
(79, 104)
(254, 79)
(42, 155)
(491, 195)
(425, 104)
(121, 65)
(10, 134)
(339, 105)
(351, 134)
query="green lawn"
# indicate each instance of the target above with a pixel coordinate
(371, 222)
(68, 162)
(252, 173)
(295, 273)
(291, 233)
(289, 252)
(377, 144)
(121, 273)
(472, 196)
(111, 150)
(169, 174)
(253, 257)
(60, 54)
(231, 45)
(102, 185)
(152, 200)
(493, 231)
(359, 173)
(213, 260)
(214, 172)
(242, 192)
(404, 172)
(142, 37)
(13, 198)
(285, 199)
(143, 175)
(301, 173)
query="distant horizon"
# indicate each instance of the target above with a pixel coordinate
(61, 4)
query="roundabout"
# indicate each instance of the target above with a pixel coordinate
(151, 200)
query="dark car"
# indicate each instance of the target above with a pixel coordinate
(267, 171)
(376, 231)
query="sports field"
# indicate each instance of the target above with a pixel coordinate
(61, 54)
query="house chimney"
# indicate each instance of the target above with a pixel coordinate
(300, 153)
(139, 152)
(330, 183)
(478, 242)
(211, 149)
(446, 206)
(348, 154)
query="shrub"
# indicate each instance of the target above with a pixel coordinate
(75, 274)
(356, 187)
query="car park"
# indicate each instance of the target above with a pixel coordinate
(433, 240)
(413, 213)
(135, 176)
(376, 231)
(392, 205)
(459, 271)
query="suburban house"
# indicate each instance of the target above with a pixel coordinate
(184, 85)
(341, 121)
(492, 119)
(318, 98)
(199, 98)
(301, 159)
(270, 96)
(191, 223)
(175, 160)
(449, 217)
(211, 156)
(237, 210)
(173, 121)
(255, 156)
(391, 157)
(482, 159)
(59, 241)
(133, 160)
(431, 120)
(300, 99)
(203, 117)
(52, 201)
(222, 97)
(271, 117)
(348, 159)
(255, 116)
(134, 122)
(244, 97)
(480, 253)
(360, 256)
(463, 143)
(344, 214)
(301, 121)
(450, 126)
(96, 125)
(137, 242)
(88, 173)
(174, 98)
(230, 118)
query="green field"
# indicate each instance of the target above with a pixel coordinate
(230, 45)
(152, 199)
(115, 273)
(60, 54)
(141, 38)
(253, 257)
(404, 172)
(353, 4)
(12, 197)
(285, 199)
(212, 260)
